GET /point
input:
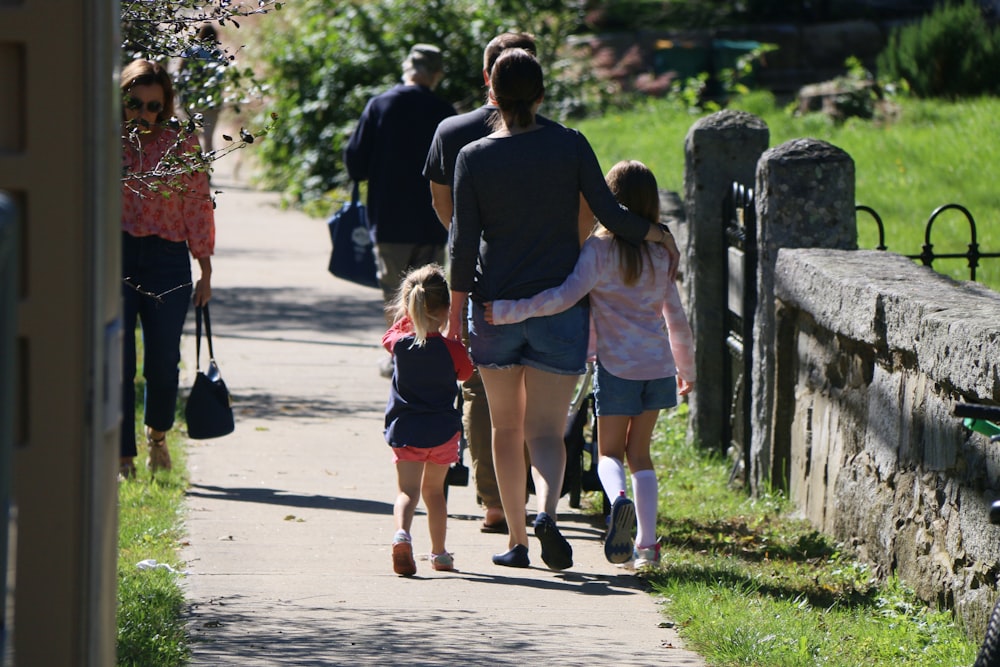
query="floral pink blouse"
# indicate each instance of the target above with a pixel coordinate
(181, 210)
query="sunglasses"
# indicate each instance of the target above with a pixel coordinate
(135, 104)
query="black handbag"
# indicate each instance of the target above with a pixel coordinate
(352, 257)
(209, 409)
(458, 473)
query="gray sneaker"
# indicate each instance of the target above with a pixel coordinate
(618, 545)
(647, 558)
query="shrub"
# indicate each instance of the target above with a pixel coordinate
(327, 58)
(950, 53)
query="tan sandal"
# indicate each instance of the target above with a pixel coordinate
(159, 454)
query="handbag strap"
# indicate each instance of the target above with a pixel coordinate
(197, 334)
(355, 201)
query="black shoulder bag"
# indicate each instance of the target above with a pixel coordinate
(209, 410)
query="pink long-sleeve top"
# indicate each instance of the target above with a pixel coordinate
(631, 341)
(180, 209)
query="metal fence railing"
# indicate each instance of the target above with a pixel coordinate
(927, 255)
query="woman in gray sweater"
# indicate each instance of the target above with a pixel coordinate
(516, 233)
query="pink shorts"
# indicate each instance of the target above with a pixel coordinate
(445, 454)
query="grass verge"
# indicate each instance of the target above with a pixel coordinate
(749, 584)
(151, 631)
(930, 153)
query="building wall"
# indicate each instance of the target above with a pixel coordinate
(59, 158)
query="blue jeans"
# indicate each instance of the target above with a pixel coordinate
(155, 266)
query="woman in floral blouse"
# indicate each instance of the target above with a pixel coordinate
(167, 212)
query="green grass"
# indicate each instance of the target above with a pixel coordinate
(929, 154)
(748, 584)
(151, 631)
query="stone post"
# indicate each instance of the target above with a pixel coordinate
(718, 150)
(804, 199)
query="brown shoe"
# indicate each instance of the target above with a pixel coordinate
(402, 559)
(494, 521)
(159, 455)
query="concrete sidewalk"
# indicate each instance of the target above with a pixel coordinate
(290, 518)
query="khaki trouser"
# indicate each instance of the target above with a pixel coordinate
(479, 435)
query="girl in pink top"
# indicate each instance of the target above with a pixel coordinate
(640, 366)
(167, 218)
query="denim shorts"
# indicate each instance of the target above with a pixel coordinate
(616, 396)
(554, 343)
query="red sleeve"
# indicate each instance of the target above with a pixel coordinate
(463, 365)
(400, 329)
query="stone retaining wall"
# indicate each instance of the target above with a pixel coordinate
(871, 352)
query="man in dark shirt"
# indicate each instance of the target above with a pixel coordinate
(388, 149)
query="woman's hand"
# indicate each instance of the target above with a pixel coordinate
(454, 328)
(683, 386)
(670, 244)
(203, 288)
(660, 234)
(202, 291)
(488, 314)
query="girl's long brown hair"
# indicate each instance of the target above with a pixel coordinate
(634, 186)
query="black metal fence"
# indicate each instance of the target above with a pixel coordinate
(927, 255)
(740, 221)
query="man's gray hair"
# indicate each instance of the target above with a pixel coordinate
(423, 61)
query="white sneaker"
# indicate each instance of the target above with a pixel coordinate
(646, 558)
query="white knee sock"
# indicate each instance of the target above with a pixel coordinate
(612, 474)
(646, 492)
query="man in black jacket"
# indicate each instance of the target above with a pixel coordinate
(388, 149)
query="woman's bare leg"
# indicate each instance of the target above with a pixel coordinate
(506, 396)
(548, 396)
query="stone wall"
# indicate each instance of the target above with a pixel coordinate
(871, 352)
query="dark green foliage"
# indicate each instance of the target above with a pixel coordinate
(687, 14)
(331, 56)
(950, 53)
(166, 30)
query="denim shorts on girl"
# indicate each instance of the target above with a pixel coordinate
(553, 343)
(445, 454)
(616, 396)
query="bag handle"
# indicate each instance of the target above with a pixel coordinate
(197, 334)
(356, 203)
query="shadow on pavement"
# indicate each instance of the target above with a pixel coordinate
(288, 309)
(274, 406)
(278, 497)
